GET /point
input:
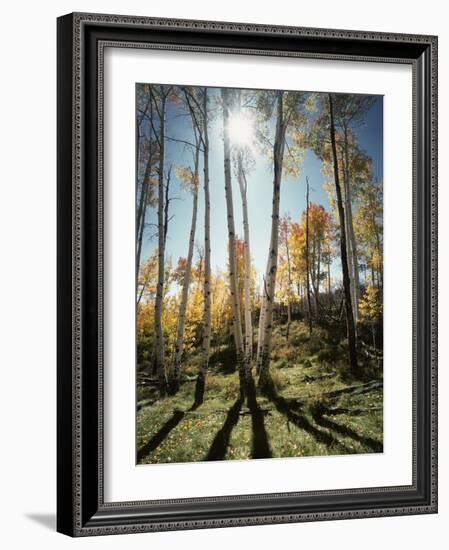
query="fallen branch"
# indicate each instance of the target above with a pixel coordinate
(145, 380)
(150, 382)
(312, 378)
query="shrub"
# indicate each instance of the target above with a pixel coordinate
(279, 380)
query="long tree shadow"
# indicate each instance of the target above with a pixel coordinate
(159, 437)
(221, 440)
(373, 444)
(302, 422)
(260, 444)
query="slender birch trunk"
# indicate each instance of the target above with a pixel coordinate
(261, 325)
(263, 360)
(317, 278)
(313, 272)
(348, 234)
(379, 252)
(160, 348)
(141, 203)
(148, 165)
(167, 202)
(143, 200)
(290, 283)
(140, 228)
(143, 288)
(350, 326)
(235, 301)
(246, 256)
(179, 344)
(247, 264)
(199, 391)
(289, 317)
(354, 263)
(309, 301)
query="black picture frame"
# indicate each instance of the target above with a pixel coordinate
(81, 509)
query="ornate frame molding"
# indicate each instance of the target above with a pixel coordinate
(81, 42)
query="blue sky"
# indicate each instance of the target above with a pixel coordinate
(259, 191)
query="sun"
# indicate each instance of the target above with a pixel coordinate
(241, 129)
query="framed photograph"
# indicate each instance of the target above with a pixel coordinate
(247, 274)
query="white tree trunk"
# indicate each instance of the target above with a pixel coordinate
(263, 360)
(160, 348)
(247, 265)
(353, 259)
(179, 345)
(309, 304)
(235, 302)
(140, 223)
(144, 192)
(289, 273)
(349, 243)
(261, 325)
(207, 269)
(317, 275)
(350, 325)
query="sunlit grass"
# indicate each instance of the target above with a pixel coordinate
(302, 376)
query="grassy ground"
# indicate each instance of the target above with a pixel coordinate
(316, 410)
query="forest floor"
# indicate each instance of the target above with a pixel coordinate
(317, 408)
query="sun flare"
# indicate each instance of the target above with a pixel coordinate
(241, 130)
